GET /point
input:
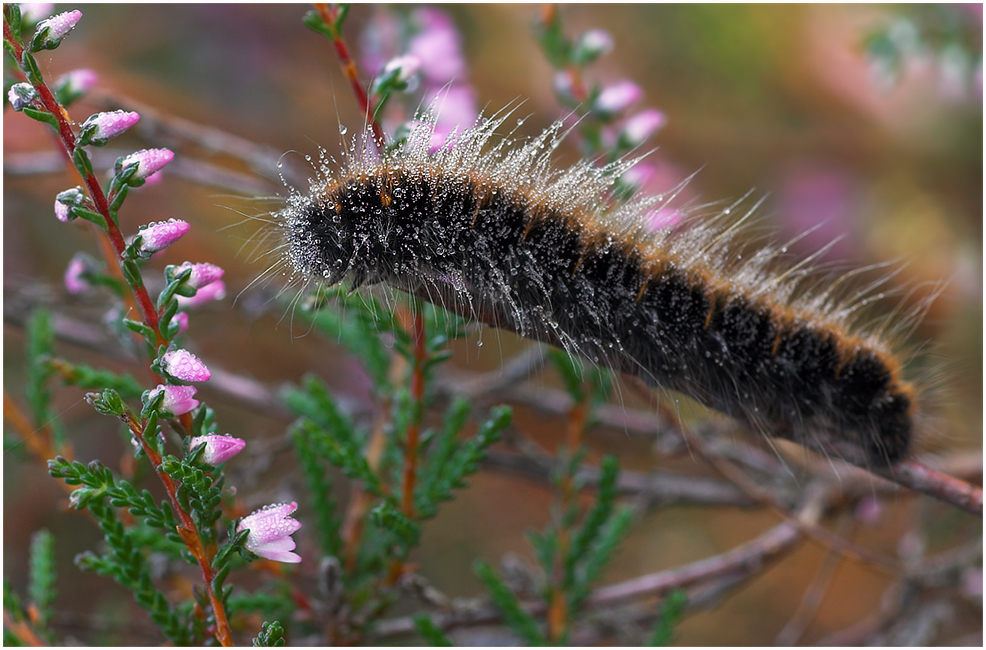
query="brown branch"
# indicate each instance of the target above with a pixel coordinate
(738, 564)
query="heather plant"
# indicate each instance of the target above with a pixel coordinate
(368, 486)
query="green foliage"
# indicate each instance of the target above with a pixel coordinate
(431, 633)
(450, 461)
(41, 583)
(519, 619)
(199, 494)
(125, 563)
(674, 607)
(271, 636)
(40, 349)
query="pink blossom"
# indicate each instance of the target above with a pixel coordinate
(62, 211)
(158, 236)
(109, 125)
(594, 43)
(437, 47)
(618, 97)
(182, 319)
(270, 532)
(76, 82)
(33, 12)
(214, 291)
(203, 274)
(664, 218)
(455, 108)
(148, 161)
(58, 26)
(869, 511)
(183, 365)
(75, 281)
(178, 400)
(218, 449)
(639, 128)
(21, 95)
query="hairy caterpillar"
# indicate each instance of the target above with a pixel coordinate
(490, 229)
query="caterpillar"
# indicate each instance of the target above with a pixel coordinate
(487, 227)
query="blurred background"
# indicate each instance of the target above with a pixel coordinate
(884, 155)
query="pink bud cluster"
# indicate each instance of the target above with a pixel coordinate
(270, 533)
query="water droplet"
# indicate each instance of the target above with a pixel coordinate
(343, 130)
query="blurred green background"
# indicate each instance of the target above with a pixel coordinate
(780, 99)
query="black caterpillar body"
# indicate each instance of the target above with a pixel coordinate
(502, 233)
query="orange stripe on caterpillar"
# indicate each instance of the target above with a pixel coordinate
(494, 227)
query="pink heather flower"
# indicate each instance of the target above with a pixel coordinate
(869, 511)
(270, 532)
(148, 161)
(664, 218)
(183, 365)
(405, 67)
(109, 125)
(213, 291)
(593, 44)
(182, 319)
(74, 280)
(58, 26)
(77, 82)
(639, 128)
(33, 12)
(178, 400)
(21, 95)
(158, 236)
(618, 97)
(455, 108)
(203, 274)
(437, 47)
(218, 449)
(154, 178)
(61, 211)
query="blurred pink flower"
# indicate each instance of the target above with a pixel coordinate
(33, 12)
(75, 281)
(183, 365)
(213, 291)
(638, 129)
(218, 449)
(455, 106)
(76, 82)
(62, 211)
(406, 67)
(618, 97)
(270, 532)
(182, 319)
(437, 46)
(178, 400)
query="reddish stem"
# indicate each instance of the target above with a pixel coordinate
(329, 14)
(414, 428)
(188, 531)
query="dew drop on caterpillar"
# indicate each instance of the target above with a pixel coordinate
(488, 228)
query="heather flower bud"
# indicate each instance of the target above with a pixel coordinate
(51, 31)
(617, 98)
(155, 237)
(185, 366)
(73, 85)
(270, 532)
(178, 400)
(21, 96)
(75, 280)
(99, 128)
(638, 129)
(202, 275)
(218, 449)
(592, 45)
(148, 161)
(65, 201)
